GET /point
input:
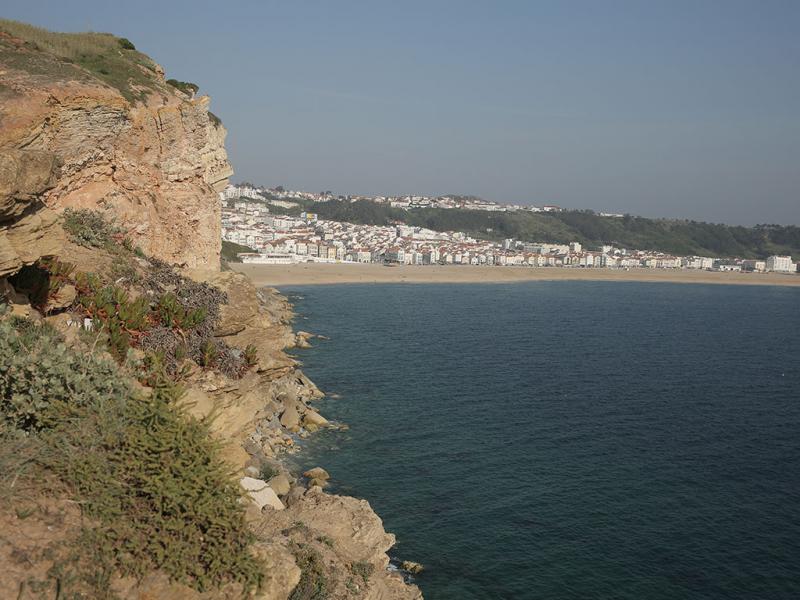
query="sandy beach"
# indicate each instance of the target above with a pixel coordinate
(321, 273)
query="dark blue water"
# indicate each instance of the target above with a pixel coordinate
(569, 439)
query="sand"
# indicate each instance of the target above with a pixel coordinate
(321, 273)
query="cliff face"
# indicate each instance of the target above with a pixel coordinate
(148, 154)
(110, 135)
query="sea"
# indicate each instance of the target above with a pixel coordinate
(561, 440)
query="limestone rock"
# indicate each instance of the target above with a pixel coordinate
(281, 573)
(24, 175)
(155, 165)
(63, 298)
(290, 417)
(295, 493)
(280, 483)
(317, 473)
(251, 484)
(314, 418)
(301, 342)
(260, 493)
(28, 229)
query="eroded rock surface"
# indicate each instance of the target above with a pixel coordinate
(155, 164)
(28, 229)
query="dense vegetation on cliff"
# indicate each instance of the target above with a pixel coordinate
(665, 235)
(230, 250)
(96, 412)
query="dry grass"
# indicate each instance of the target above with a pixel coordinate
(105, 56)
(65, 45)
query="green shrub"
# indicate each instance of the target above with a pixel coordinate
(313, 583)
(185, 86)
(41, 380)
(126, 44)
(170, 310)
(251, 355)
(148, 476)
(113, 312)
(362, 569)
(90, 229)
(208, 354)
(174, 315)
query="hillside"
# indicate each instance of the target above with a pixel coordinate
(670, 236)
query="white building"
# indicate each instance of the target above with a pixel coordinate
(271, 258)
(235, 191)
(780, 264)
(697, 262)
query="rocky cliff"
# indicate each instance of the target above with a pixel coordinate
(124, 141)
(105, 132)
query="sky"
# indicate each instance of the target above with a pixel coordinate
(673, 108)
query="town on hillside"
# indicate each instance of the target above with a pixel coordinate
(285, 239)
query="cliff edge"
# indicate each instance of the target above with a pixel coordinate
(146, 397)
(127, 142)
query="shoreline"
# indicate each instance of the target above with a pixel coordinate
(350, 273)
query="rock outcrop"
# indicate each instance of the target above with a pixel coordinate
(154, 162)
(28, 230)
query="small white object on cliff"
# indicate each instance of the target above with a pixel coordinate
(260, 493)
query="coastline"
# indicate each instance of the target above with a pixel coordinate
(345, 273)
(304, 533)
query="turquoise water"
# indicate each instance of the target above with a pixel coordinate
(558, 440)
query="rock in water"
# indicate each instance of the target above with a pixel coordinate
(312, 417)
(411, 566)
(317, 473)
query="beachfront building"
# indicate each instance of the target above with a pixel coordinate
(754, 266)
(780, 264)
(728, 267)
(395, 254)
(697, 262)
(270, 258)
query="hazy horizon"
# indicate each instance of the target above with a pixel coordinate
(684, 109)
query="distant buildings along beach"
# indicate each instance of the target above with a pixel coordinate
(283, 239)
